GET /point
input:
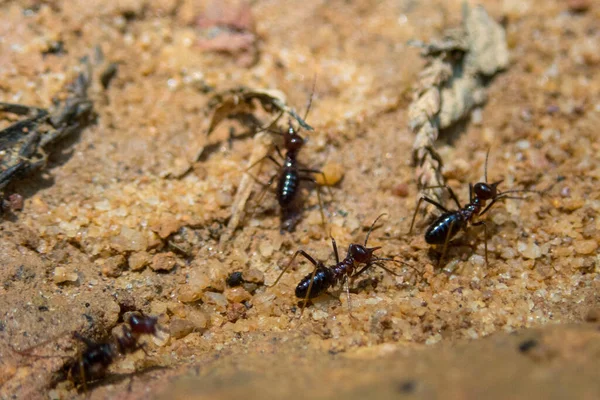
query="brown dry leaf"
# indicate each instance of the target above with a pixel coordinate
(239, 103)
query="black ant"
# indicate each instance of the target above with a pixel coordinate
(290, 175)
(97, 357)
(323, 277)
(93, 362)
(447, 225)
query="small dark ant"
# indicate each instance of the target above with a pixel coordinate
(323, 277)
(92, 363)
(97, 357)
(290, 175)
(447, 225)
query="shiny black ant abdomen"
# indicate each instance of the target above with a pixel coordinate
(289, 178)
(450, 222)
(358, 259)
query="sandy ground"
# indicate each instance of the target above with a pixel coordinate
(129, 209)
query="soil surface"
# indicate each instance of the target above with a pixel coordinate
(128, 215)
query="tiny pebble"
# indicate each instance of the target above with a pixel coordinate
(235, 311)
(529, 250)
(266, 249)
(138, 260)
(61, 275)
(237, 295)
(565, 192)
(234, 279)
(400, 190)
(217, 299)
(585, 246)
(333, 172)
(254, 275)
(199, 319)
(578, 5)
(112, 266)
(163, 261)
(195, 286)
(180, 328)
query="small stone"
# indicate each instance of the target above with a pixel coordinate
(237, 295)
(235, 311)
(196, 284)
(138, 260)
(254, 275)
(61, 275)
(265, 248)
(112, 266)
(129, 240)
(234, 279)
(217, 299)
(585, 246)
(166, 226)
(571, 204)
(333, 173)
(164, 261)
(529, 250)
(198, 319)
(177, 309)
(180, 328)
(578, 5)
(400, 190)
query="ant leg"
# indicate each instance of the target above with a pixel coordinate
(316, 171)
(312, 277)
(335, 251)
(261, 194)
(310, 179)
(484, 238)
(260, 160)
(452, 194)
(430, 201)
(499, 197)
(82, 372)
(347, 282)
(446, 244)
(320, 200)
(303, 254)
(470, 192)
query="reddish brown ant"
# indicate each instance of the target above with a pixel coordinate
(447, 225)
(323, 277)
(290, 175)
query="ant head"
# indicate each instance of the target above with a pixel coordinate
(486, 191)
(362, 254)
(142, 323)
(293, 141)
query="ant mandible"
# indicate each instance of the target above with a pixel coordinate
(323, 277)
(450, 222)
(290, 175)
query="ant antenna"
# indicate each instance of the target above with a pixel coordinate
(309, 104)
(372, 226)
(487, 155)
(311, 97)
